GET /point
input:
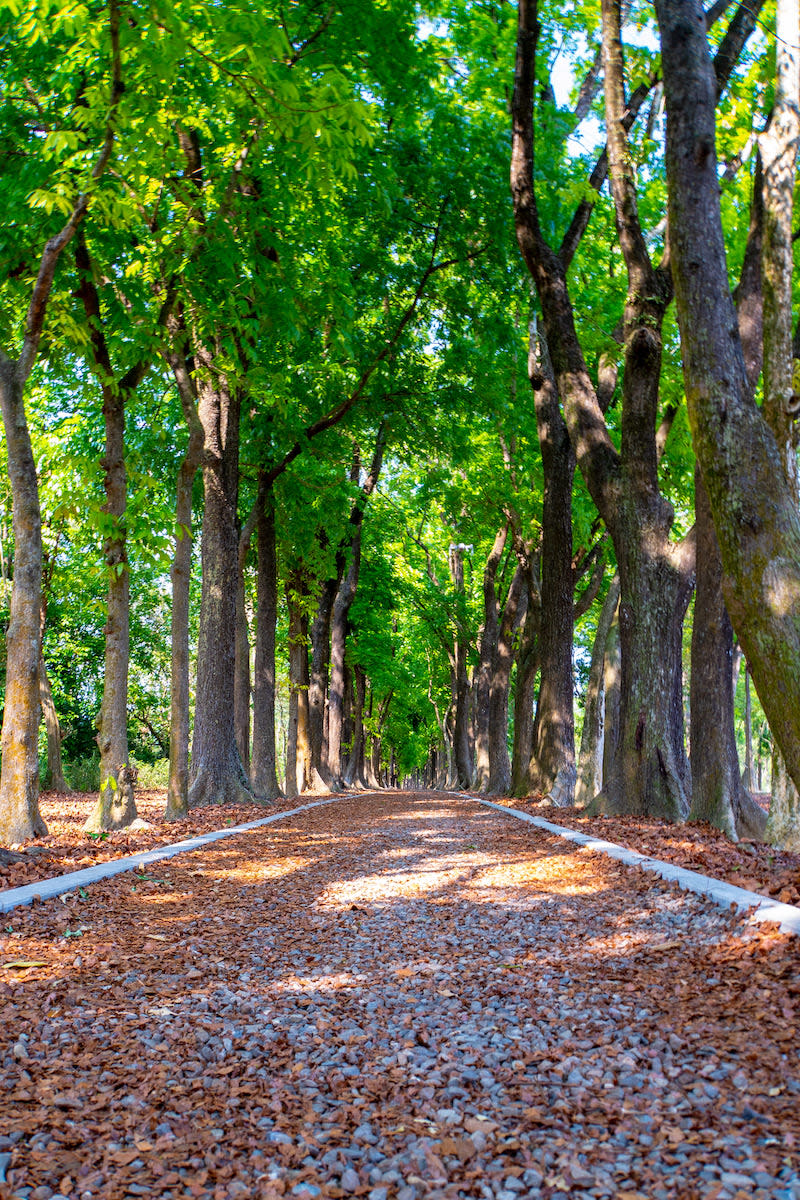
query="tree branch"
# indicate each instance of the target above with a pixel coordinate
(34, 320)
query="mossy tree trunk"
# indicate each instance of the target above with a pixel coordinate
(754, 507)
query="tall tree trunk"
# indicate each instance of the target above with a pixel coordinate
(612, 673)
(264, 769)
(181, 576)
(651, 773)
(488, 651)
(336, 692)
(753, 505)
(718, 795)
(590, 760)
(298, 745)
(20, 818)
(242, 685)
(499, 762)
(460, 678)
(55, 767)
(781, 406)
(747, 774)
(340, 614)
(354, 770)
(525, 690)
(116, 807)
(320, 667)
(217, 776)
(552, 770)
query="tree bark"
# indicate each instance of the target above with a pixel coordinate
(590, 760)
(488, 651)
(781, 405)
(718, 792)
(753, 506)
(354, 771)
(612, 671)
(116, 807)
(264, 768)
(217, 776)
(552, 769)
(20, 818)
(339, 617)
(651, 774)
(55, 768)
(180, 575)
(525, 690)
(242, 686)
(298, 745)
(499, 762)
(320, 668)
(460, 678)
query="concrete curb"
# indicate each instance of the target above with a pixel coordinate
(725, 894)
(45, 889)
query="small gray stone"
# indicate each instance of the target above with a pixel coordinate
(349, 1180)
(5, 1161)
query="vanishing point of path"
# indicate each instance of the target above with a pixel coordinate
(397, 997)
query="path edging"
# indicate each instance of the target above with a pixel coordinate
(46, 889)
(724, 894)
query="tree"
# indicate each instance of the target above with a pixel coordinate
(19, 782)
(752, 504)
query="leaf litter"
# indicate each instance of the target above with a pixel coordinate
(397, 997)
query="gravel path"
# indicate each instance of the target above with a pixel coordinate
(396, 997)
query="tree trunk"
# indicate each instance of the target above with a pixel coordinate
(242, 686)
(499, 762)
(612, 672)
(264, 769)
(525, 690)
(460, 678)
(488, 651)
(590, 760)
(779, 154)
(116, 807)
(181, 575)
(336, 692)
(651, 774)
(298, 745)
(552, 769)
(718, 794)
(320, 667)
(753, 505)
(747, 774)
(20, 818)
(55, 769)
(217, 776)
(341, 611)
(354, 770)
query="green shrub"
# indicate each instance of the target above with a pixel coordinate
(151, 775)
(83, 774)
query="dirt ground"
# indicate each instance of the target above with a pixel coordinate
(400, 997)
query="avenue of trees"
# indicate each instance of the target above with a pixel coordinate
(331, 460)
